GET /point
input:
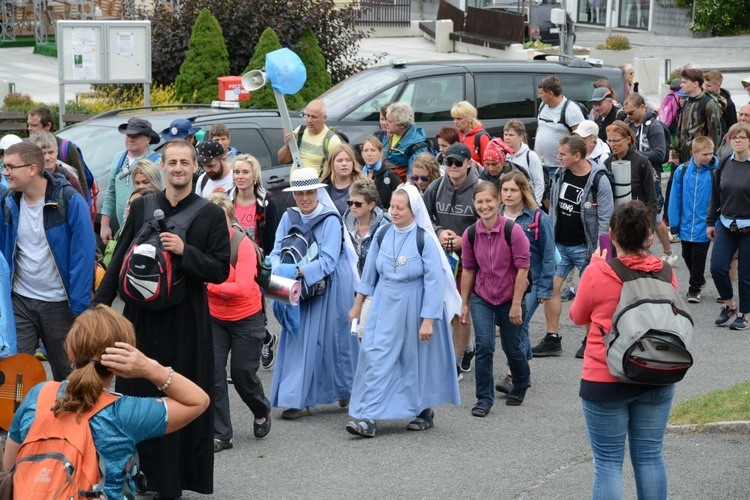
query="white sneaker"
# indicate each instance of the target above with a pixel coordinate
(673, 238)
(669, 259)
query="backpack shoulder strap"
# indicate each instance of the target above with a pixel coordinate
(204, 181)
(478, 142)
(595, 184)
(154, 156)
(472, 232)
(184, 218)
(150, 205)
(382, 232)
(623, 272)
(293, 216)
(64, 143)
(326, 141)
(420, 239)
(234, 246)
(121, 162)
(563, 121)
(432, 195)
(300, 133)
(508, 230)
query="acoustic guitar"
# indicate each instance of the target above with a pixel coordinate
(18, 374)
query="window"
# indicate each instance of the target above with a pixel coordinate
(592, 12)
(369, 111)
(634, 14)
(432, 98)
(579, 87)
(250, 141)
(502, 95)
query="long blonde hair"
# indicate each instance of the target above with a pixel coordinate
(330, 174)
(92, 332)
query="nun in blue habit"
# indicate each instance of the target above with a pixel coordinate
(406, 360)
(317, 354)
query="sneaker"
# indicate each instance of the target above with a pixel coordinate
(740, 323)
(222, 444)
(266, 354)
(725, 316)
(582, 349)
(466, 362)
(719, 300)
(694, 297)
(673, 238)
(567, 293)
(504, 385)
(458, 371)
(548, 346)
(669, 259)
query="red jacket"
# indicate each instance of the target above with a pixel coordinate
(239, 296)
(468, 139)
(595, 303)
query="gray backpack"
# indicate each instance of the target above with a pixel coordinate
(651, 329)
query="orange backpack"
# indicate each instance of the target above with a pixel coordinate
(58, 458)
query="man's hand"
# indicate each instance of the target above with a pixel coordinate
(172, 243)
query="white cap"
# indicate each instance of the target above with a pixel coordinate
(587, 128)
(8, 140)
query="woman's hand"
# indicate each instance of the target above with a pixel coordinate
(599, 254)
(516, 314)
(464, 314)
(355, 312)
(126, 361)
(425, 331)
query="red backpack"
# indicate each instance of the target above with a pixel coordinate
(58, 458)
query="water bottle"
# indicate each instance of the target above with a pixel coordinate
(264, 276)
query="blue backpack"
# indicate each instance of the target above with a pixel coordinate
(90, 181)
(300, 246)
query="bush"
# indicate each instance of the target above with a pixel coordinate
(242, 24)
(206, 60)
(318, 79)
(264, 97)
(617, 42)
(717, 17)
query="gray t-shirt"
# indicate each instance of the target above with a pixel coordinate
(36, 273)
(549, 130)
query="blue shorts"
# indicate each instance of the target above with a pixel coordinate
(570, 257)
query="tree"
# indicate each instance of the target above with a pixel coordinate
(264, 98)
(318, 79)
(206, 60)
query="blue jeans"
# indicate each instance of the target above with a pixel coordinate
(725, 245)
(485, 316)
(643, 419)
(570, 257)
(531, 302)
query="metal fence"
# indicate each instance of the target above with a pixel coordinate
(384, 12)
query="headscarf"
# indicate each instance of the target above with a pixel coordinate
(496, 150)
(451, 297)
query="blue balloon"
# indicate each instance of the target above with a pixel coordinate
(286, 71)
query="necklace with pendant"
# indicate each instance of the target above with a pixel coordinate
(400, 260)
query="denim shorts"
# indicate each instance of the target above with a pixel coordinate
(570, 257)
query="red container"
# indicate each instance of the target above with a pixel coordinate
(230, 89)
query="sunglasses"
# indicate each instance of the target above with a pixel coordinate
(417, 178)
(450, 162)
(357, 204)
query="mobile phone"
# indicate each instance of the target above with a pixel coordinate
(606, 244)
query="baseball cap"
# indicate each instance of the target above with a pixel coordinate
(600, 94)
(207, 151)
(9, 140)
(458, 151)
(587, 128)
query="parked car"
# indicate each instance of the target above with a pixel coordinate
(500, 90)
(538, 26)
(257, 132)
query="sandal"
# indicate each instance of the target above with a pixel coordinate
(364, 428)
(515, 396)
(424, 421)
(480, 410)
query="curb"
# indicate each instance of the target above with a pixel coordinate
(740, 427)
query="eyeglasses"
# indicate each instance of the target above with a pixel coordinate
(738, 138)
(630, 113)
(357, 204)
(611, 141)
(13, 167)
(450, 162)
(416, 178)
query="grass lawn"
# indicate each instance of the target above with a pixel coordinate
(726, 405)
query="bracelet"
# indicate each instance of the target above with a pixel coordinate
(169, 380)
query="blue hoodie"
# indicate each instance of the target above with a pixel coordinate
(689, 199)
(395, 154)
(70, 238)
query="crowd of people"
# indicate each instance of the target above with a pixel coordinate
(455, 243)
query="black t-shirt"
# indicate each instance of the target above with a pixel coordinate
(569, 223)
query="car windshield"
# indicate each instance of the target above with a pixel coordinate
(99, 144)
(347, 94)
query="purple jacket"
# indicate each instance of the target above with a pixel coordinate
(494, 261)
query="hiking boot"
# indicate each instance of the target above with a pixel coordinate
(266, 354)
(567, 293)
(740, 323)
(694, 297)
(504, 385)
(725, 316)
(222, 444)
(466, 362)
(582, 349)
(548, 346)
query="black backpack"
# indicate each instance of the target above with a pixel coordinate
(329, 135)
(420, 236)
(427, 143)
(563, 122)
(300, 246)
(508, 231)
(595, 184)
(147, 278)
